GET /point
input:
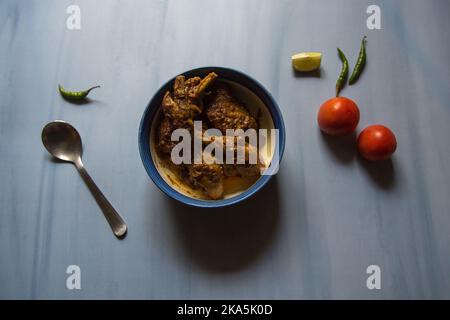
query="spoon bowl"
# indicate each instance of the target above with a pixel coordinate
(62, 141)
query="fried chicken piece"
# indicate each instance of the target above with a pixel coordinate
(181, 108)
(184, 105)
(246, 169)
(225, 112)
(165, 143)
(180, 111)
(208, 177)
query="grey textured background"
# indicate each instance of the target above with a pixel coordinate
(311, 233)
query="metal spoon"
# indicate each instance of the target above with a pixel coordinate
(64, 142)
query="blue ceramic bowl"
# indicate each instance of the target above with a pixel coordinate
(153, 110)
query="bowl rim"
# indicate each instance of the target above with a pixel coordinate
(149, 113)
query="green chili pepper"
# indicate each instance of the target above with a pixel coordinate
(75, 95)
(340, 83)
(360, 63)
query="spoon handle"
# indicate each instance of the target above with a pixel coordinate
(116, 222)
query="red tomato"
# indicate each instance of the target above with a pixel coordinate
(338, 116)
(376, 143)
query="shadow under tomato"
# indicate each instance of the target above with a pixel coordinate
(382, 173)
(343, 148)
(227, 239)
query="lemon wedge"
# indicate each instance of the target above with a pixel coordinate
(306, 61)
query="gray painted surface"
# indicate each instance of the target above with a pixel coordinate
(310, 234)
